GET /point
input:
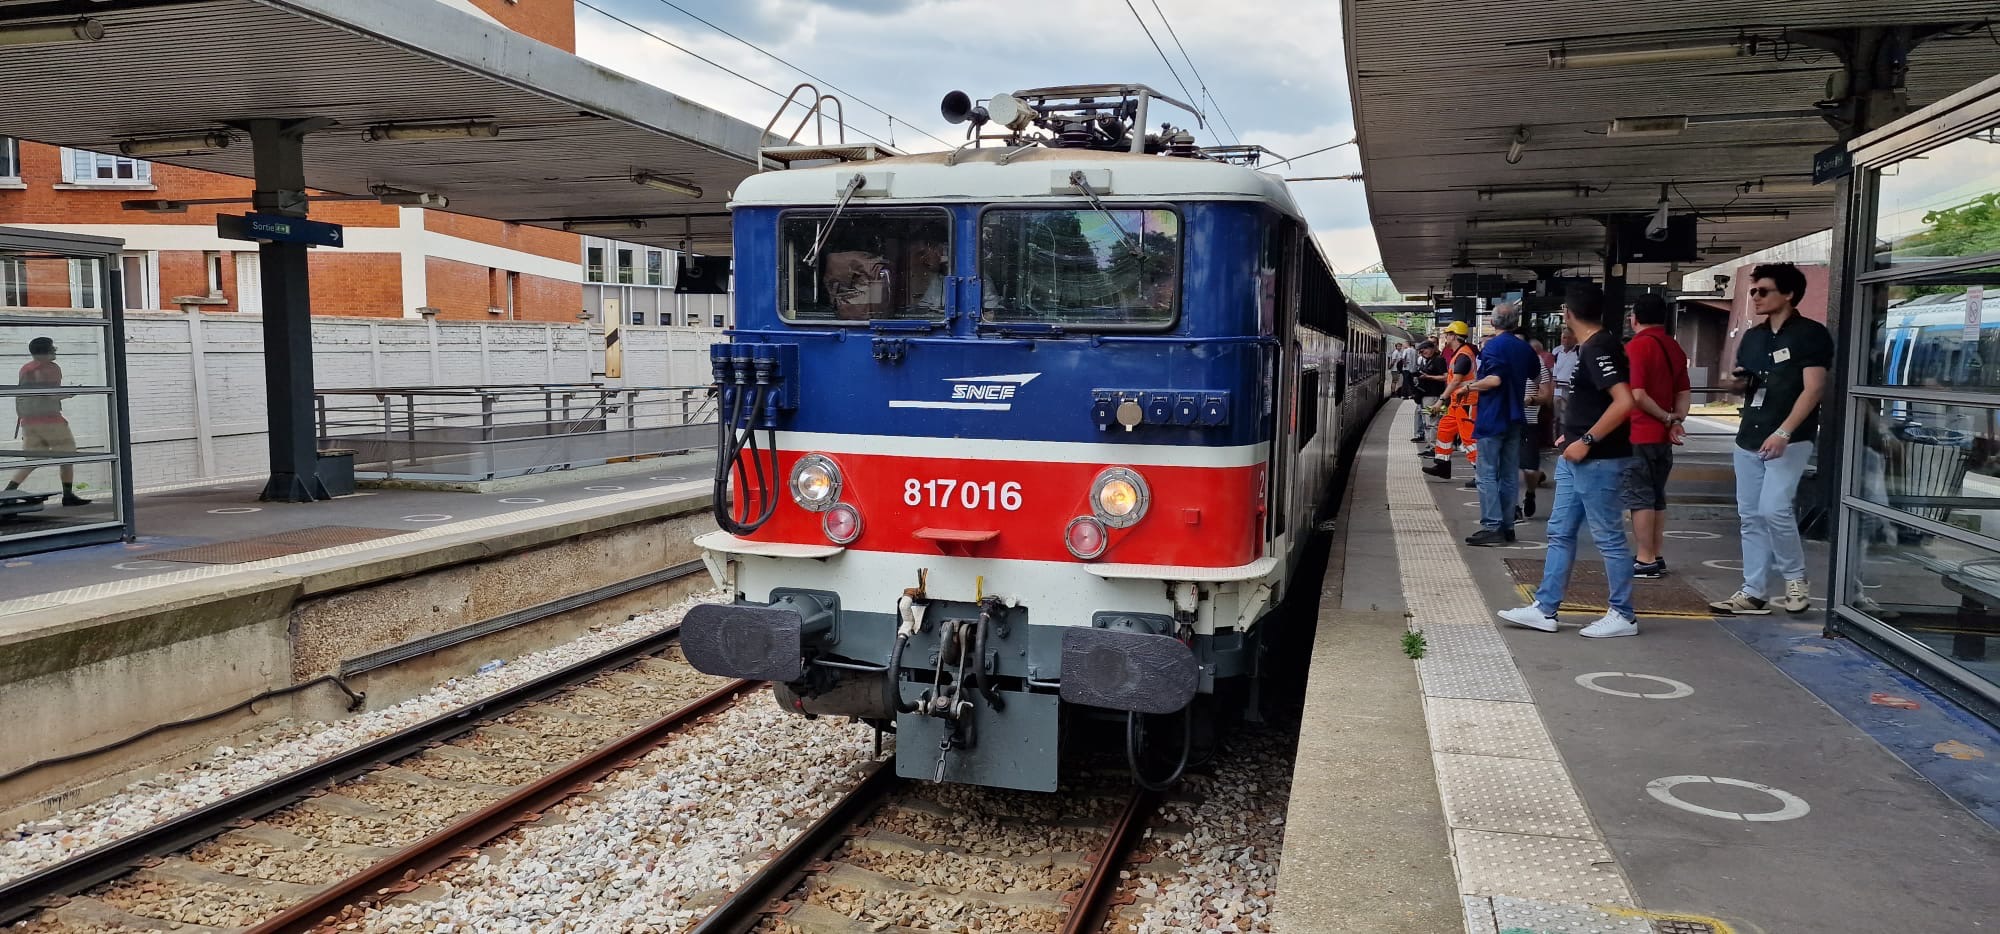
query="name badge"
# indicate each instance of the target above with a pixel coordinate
(1757, 400)
(1782, 355)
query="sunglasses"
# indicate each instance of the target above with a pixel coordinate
(1760, 292)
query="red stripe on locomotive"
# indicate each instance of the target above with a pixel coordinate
(1198, 516)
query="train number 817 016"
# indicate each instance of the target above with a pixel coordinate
(946, 493)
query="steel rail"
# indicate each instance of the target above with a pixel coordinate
(756, 896)
(400, 872)
(31, 893)
(1093, 900)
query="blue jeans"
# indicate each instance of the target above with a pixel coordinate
(1588, 492)
(1499, 475)
(1764, 494)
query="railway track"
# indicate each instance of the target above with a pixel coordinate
(395, 807)
(897, 855)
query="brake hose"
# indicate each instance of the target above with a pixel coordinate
(731, 446)
(1133, 744)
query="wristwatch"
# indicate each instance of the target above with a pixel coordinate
(1587, 439)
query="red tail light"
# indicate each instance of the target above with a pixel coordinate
(1085, 537)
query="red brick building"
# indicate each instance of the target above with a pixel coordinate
(398, 259)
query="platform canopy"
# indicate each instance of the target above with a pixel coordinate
(1442, 90)
(571, 135)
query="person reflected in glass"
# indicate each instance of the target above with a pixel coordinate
(39, 421)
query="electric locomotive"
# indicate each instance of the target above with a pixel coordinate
(1024, 433)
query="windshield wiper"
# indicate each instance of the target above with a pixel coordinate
(1082, 184)
(819, 243)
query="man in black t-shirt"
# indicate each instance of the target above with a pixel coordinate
(1781, 369)
(1426, 383)
(1596, 444)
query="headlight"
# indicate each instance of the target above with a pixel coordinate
(1118, 497)
(815, 482)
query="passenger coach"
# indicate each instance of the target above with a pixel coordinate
(1022, 434)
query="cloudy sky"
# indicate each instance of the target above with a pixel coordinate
(1273, 67)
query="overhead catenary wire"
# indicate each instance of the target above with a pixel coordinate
(782, 61)
(587, 4)
(1198, 79)
(1148, 30)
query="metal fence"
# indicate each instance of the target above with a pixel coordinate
(488, 432)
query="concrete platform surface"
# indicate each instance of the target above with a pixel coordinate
(1733, 776)
(172, 519)
(1742, 775)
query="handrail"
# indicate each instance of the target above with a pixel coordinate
(819, 99)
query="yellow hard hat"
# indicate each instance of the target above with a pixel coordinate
(1458, 328)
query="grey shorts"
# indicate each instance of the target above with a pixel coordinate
(1644, 485)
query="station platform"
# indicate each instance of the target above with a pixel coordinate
(227, 614)
(1708, 775)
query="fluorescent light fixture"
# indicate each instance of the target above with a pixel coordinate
(155, 206)
(386, 194)
(1516, 223)
(663, 183)
(1747, 216)
(1666, 125)
(459, 129)
(1783, 185)
(1501, 245)
(1517, 146)
(81, 29)
(185, 144)
(1530, 192)
(1560, 58)
(604, 227)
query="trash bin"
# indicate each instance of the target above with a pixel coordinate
(336, 471)
(1930, 462)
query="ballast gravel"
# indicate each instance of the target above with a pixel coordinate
(1225, 865)
(289, 747)
(696, 816)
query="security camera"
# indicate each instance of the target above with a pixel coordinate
(1656, 229)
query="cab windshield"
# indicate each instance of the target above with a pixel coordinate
(869, 266)
(1080, 267)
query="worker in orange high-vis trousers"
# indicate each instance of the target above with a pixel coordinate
(1461, 407)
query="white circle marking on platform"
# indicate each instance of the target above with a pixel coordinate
(1794, 807)
(141, 565)
(235, 510)
(522, 500)
(1685, 533)
(604, 489)
(669, 479)
(1678, 688)
(1525, 544)
(427, 517)
(1723, 564)
(1471, 505)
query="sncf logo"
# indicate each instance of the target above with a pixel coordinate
(974, 393)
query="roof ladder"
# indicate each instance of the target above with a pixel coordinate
(792, 151)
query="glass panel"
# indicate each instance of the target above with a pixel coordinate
(656, 268)
(625, 267)
(46, 427)
(10, 158)
(593, 264)
(1941, 462)
(1939, 331)
(871, 265)
(1083, 267)
(1942, 204)
(1943, 594)
(40, 285)
(47, 355)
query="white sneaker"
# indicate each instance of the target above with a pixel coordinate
(1530, 616)
(1797, 598)
(1611, 625)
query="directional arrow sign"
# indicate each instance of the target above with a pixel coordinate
(277, 228)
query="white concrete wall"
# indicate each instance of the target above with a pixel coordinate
(196, 393)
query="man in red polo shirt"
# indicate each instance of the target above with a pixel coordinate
(1660, 398)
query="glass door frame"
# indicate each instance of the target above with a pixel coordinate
(106, 254)
(1975, 110)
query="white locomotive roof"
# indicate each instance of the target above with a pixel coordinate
(1035, 175)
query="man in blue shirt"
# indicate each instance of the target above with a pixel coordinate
(1506, 365)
